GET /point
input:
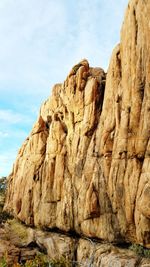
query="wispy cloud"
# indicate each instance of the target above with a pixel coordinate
(14, 128)
(9, 145)
(11, 117)
(3, 134)
(40, 41)
(36, 36)
(99, 24)
(6, 162)
(29, 30)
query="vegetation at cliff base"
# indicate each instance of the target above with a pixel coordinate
(40, 260)
(140, 250)
(3, 214)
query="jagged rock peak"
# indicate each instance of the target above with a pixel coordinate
(86, 164)
(53, 156)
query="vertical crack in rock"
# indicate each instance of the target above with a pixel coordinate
(86, 164)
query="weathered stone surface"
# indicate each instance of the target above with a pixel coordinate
(76, 251)
(102, 255)
(15, 241)
(85, 167)
(56, 245)
(125, 126)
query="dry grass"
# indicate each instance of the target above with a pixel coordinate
(17, 231)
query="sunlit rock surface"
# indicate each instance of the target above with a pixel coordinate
(85, 166)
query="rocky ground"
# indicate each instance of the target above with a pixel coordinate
(13, 245)
(85, 167)
(20, 244)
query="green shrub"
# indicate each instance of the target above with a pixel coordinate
(3, 262)
(140, 250)
(39, 261)
(42, 261)
(3, 184)
(62, 262)
(4, 216)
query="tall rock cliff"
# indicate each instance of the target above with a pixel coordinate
(85, 166)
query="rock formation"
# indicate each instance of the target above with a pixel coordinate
(75, 252)
(85, 166)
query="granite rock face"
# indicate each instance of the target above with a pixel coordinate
(85, 166)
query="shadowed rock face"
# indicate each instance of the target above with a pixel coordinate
(86, 164)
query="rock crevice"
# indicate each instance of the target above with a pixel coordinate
(85, 166)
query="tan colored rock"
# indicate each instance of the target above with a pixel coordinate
(104, 255)
(85, 167)
(12, 250)
(56, 245)
(126, 130)
(20, 243)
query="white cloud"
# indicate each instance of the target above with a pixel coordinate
(3, 134)
(99, 24)
(40, 42)
(6, 162)
(38, 36)
(11, 117)
(29, 30)
(10, 148)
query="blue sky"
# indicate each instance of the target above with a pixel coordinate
(40, 41)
